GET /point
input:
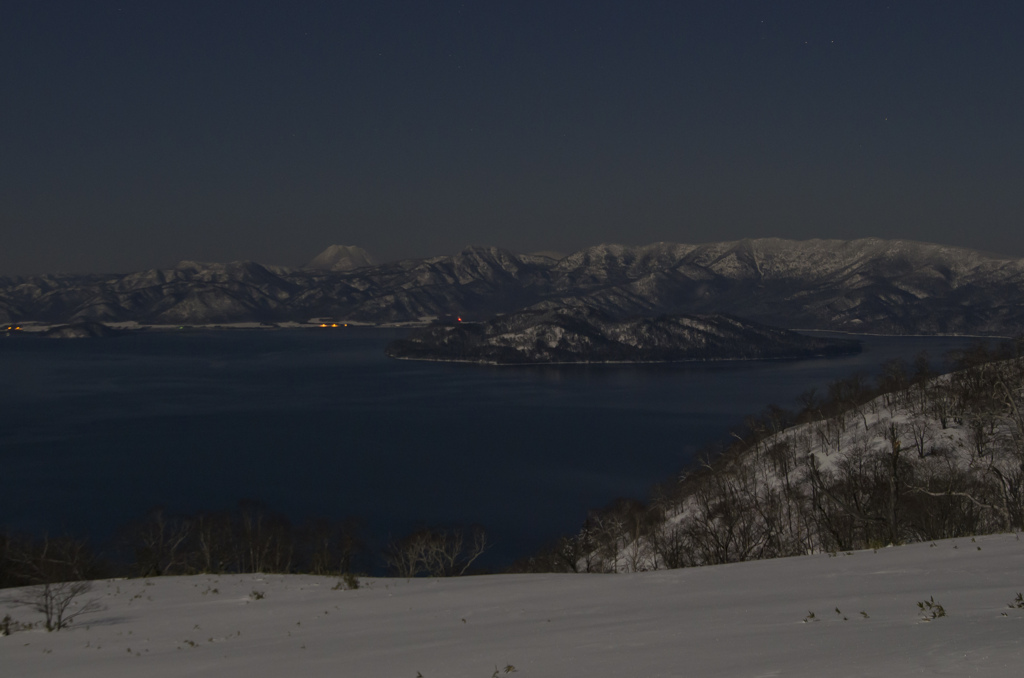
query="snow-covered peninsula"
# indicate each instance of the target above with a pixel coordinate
(586, 335)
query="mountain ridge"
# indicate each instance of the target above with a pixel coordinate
(866, 285)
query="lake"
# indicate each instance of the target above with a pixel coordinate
(320, 423)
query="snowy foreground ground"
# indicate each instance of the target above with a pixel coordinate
(746, 619)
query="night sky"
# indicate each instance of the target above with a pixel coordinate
(137, 134)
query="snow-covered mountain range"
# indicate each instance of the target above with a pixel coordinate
(868, 285)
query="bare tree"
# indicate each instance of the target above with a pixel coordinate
(436, 552)
(331, 545)
(263, 541)
(158, 542)
(212, 542)
(59, 602)
(921, 433)
(452, 552)
(405, 557)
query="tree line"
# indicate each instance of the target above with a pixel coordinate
(250, 538)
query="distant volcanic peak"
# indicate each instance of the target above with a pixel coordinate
(342, 258)
(189, 265)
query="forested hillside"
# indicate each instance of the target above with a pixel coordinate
(913, 457)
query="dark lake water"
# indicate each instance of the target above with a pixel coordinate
(321, 423)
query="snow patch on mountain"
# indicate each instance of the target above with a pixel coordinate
(342, 258)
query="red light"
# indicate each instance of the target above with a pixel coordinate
(459, 319)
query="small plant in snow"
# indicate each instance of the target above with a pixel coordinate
(348, 582)
(258, 595)
(1018, 602)
(508, 669)
(810, 617)
(930, 609)
(9, 625)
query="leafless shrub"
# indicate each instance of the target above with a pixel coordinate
(59, 602)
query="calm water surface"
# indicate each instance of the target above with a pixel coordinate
(95, 432)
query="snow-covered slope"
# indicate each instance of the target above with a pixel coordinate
(936, 458)
(745, 619)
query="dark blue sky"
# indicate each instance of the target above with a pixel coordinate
(137, 134)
